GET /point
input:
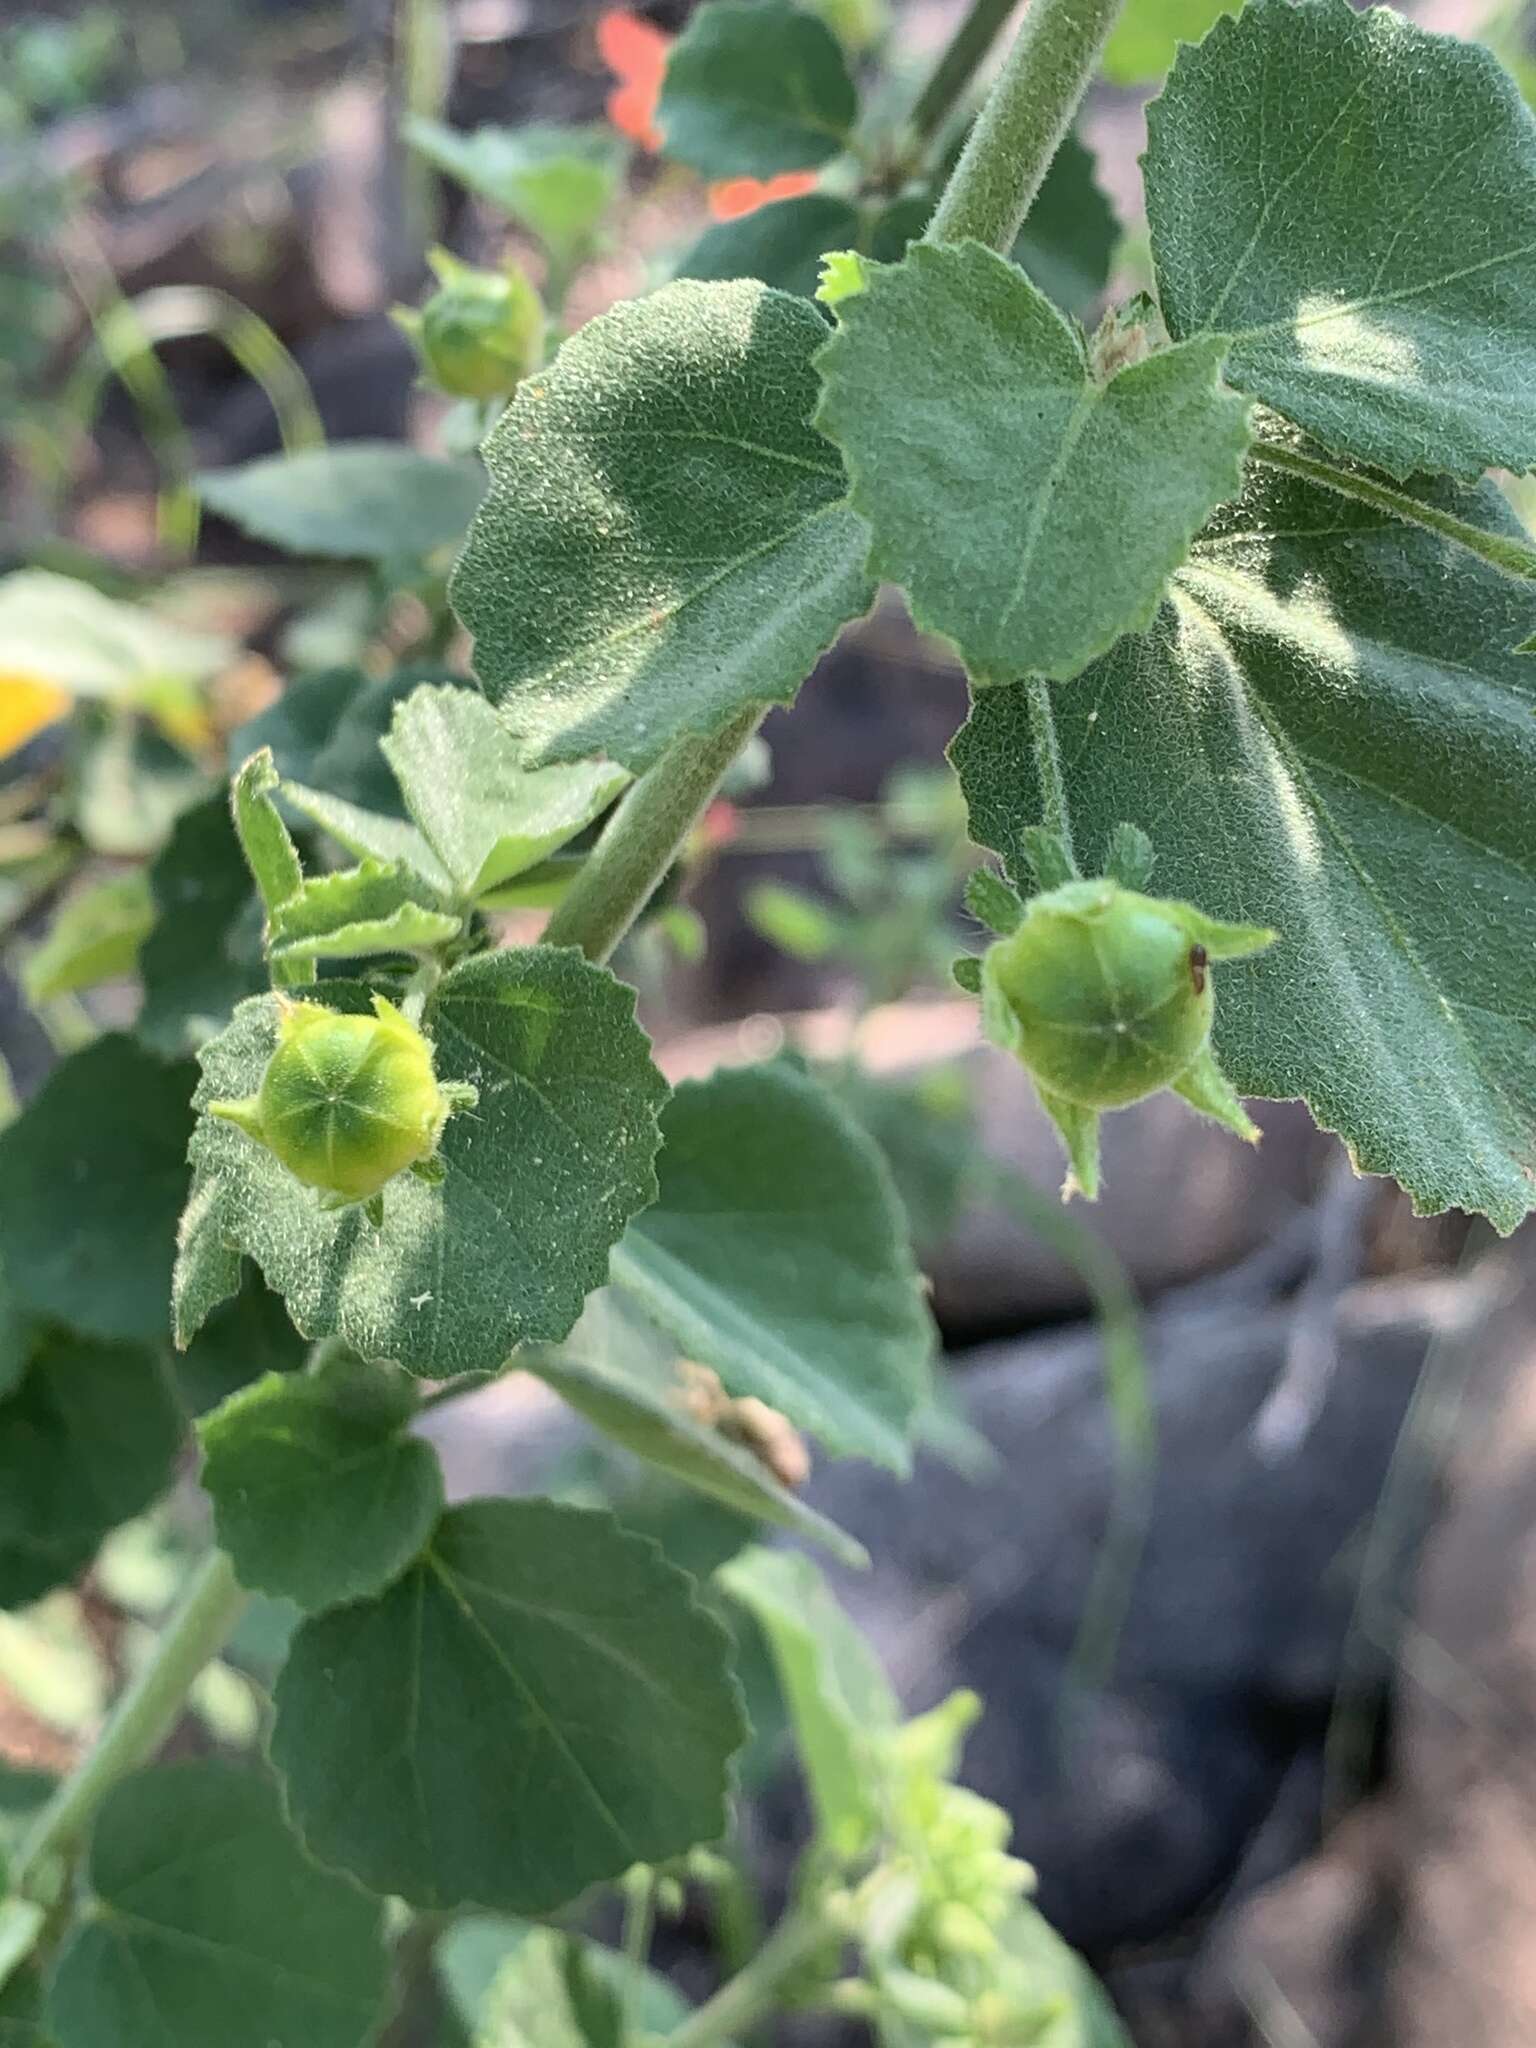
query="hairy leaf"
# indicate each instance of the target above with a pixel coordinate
(373, 908)
(211, 1925)
(1032, 513)
(627, 1381)
(319, 1494)
(372, 835)
(667, 539)
(371, 500)
(1353, 201)
(246, 1337)
(776, 1254)
(753, 88)
(542, 1175)
(1325, 731)
(537, 1704)
(87, 1438)
(485, 816)
(93, 1175)
(205, 952)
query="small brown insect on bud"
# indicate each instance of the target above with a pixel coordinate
(1199, 960)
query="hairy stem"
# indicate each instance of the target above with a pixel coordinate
(1029, 110)
(756, 1990)
(958, 65)
(642, 840)
(142, 1718)
(1055, 814)
(1500, 550)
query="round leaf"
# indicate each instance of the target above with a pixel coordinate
(87, 1439)
(93, 1175)
(539, 1703)
(755, 89)
(319, 1495)
(212, 1926)
(666, 540)
(542, 1176)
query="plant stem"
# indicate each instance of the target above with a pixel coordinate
(958, 65)
(1028, 111)
(1055, 813)
(1500, 550)
(755, 1990)
(643, 838)
(142, 1718)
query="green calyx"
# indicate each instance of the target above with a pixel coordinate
(1106, 996)
(348, 1101)
(481, 333)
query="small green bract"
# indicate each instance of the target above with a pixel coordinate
(347, 1102)
(1107, 996)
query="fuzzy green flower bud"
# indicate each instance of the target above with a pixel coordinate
(1107, 996)
(481, 333)
(348, 1101)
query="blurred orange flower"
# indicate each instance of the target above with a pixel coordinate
(635, 51)
(732, 197)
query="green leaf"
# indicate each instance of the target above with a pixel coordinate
(800, 925)
(95, 936)
(373, 501)
(616, 1371)
(92, 1178)
(666, 540)
(984, 453)
(16, 1333)
(1146, 38)
(373, 908)
(319, 1494)
(1324, 713)
(270, 854)
(840, 1701)
(776, 1254)
(485, 816)
(244, 1338)
(211, 1925)
(372, 835)
(325, 730)
(556, 182)
(1319, 188)
(753, 88)
(21, 2023)
(539, 1703)
(205, 952)
(542, 1176)
(536, 1998)
(781, 244)
(88, 1439)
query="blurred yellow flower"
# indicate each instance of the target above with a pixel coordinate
(27, 704)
